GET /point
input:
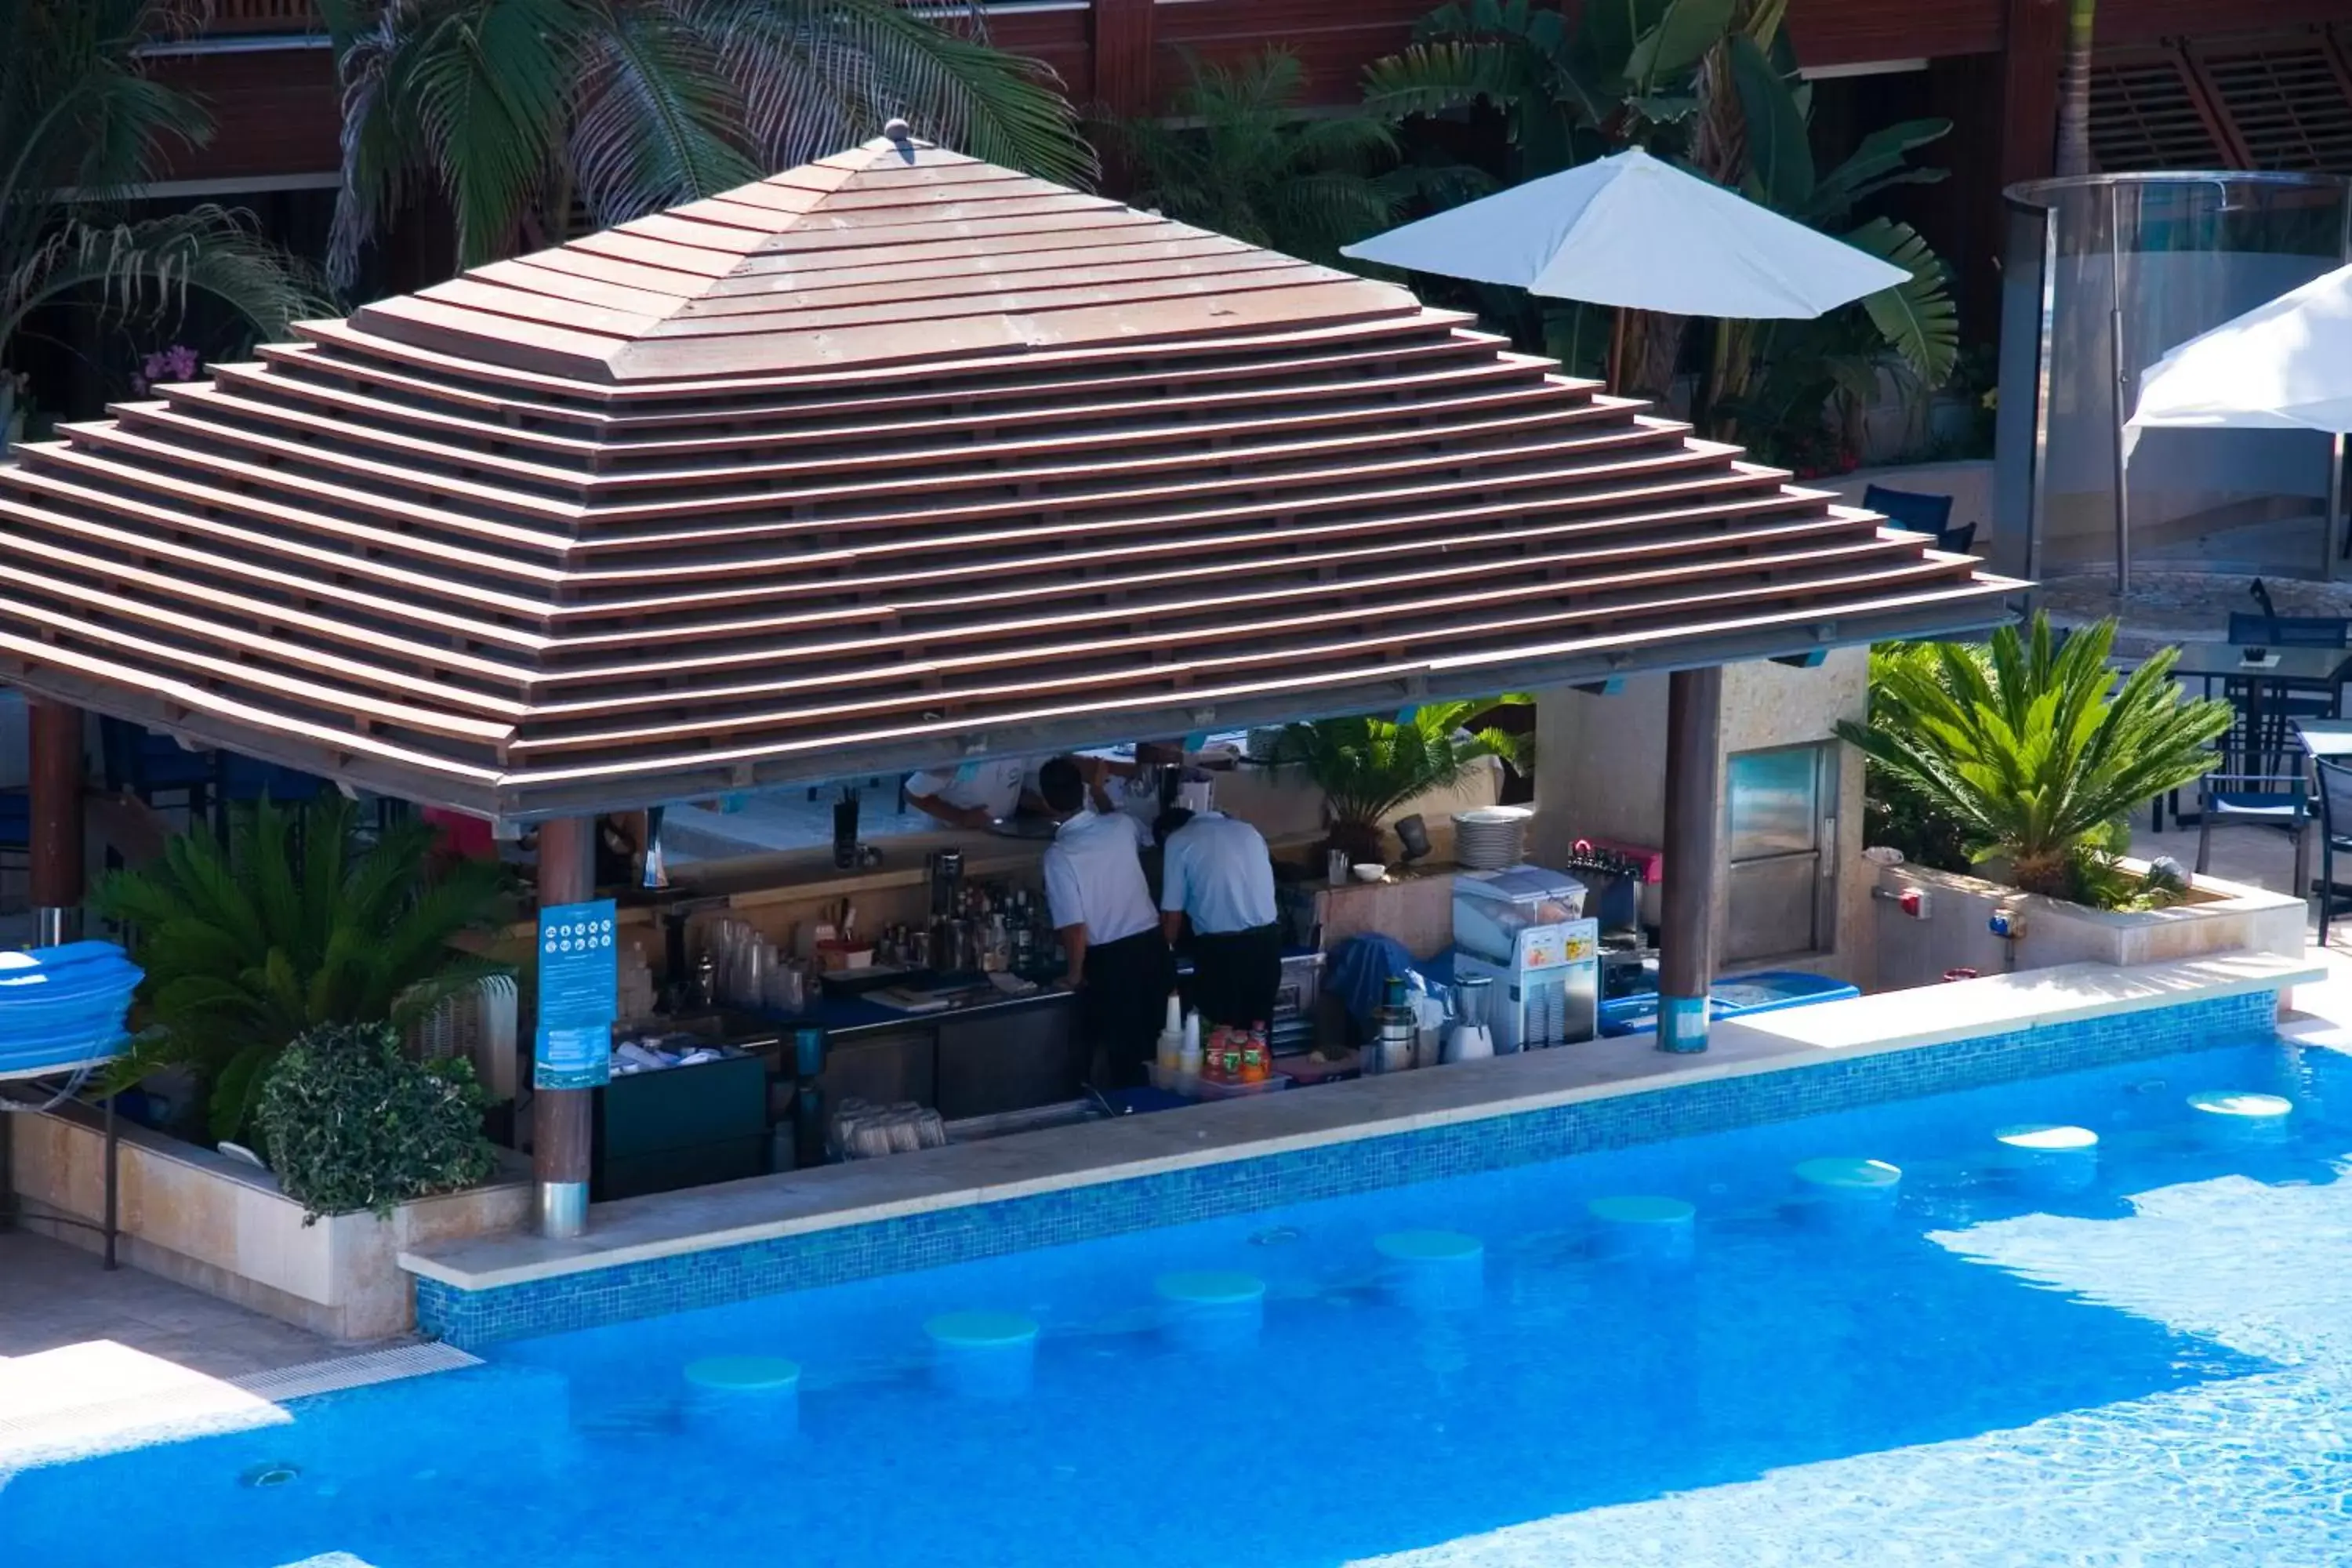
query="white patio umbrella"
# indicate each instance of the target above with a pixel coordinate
(2286, 365)
(1634, 232)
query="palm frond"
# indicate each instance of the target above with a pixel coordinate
(645, 133)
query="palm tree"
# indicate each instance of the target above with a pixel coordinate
(2035, 752)
(1242, 159)
(81, 126)
(291, 924)
(1367, 767)
(512, 109)
(2075, 90)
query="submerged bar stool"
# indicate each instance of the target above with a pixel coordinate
(2051, 1153)
(1210, 1309)
(2237, 1116)
(1841, 1189)
(740, 1398)
(989, 1355)
(1651, 1230)
(1434, 1270)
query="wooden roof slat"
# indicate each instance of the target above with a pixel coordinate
(245, 637)
(1515, 440)
(1409, 532)
(1460, 348)
(350, 700)
(1409, 419)
(152, 418)
(1097, 652)
(283, 527)
(981, 288)
(1431, 331)
(1340, 597)
(1226, 279)
(188, 404)
(258, 383)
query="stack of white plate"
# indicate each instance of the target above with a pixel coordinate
(1491, 837)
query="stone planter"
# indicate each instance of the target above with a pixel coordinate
(223, 1227)
(2218, 917)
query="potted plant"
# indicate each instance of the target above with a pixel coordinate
(2035, 752)
(293, 923)
(1367, 767)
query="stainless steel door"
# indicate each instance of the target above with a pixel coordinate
(1783, 811)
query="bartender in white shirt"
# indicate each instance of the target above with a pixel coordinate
(1096, 896)
(972, 794)
(1217, 875)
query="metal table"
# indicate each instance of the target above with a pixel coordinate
(2283, 669)
(2327, 740)
(68, 1070)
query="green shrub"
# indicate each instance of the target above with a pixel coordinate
(351, 1123)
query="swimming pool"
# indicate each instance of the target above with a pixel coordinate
(2013, 1359)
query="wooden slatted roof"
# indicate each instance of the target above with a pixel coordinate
(893, 456)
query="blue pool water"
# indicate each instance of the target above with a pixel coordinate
(2152, 1367)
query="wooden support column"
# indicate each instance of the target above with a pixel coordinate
(55, 809)
(1693, 815)
(560, 1118)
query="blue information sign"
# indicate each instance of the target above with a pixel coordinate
(579, 991)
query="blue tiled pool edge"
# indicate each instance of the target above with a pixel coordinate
(469, 1319)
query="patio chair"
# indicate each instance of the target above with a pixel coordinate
(2280, 801)
(2334, 835)
(1914, 511)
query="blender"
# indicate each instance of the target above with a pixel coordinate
(1470, 1039)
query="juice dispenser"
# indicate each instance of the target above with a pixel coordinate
(1524, 928)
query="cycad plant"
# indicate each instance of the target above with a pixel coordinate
(513, 109)
(1367, 767)
(81, 126)
(2038, 751)
(293, 923)
(1239, 157)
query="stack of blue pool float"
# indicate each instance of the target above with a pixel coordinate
(63, 1006)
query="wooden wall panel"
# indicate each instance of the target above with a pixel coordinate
(275, 111)
(1334, 40)
(1059, 38)
(2147, 21)
(1847, 32)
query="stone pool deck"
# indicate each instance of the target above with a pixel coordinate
(627, 1240)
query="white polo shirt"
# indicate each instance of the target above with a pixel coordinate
(993, 785)
(1217, 872)
(1093, 877)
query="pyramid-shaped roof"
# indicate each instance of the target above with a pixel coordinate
(892, 457)
(894, 253)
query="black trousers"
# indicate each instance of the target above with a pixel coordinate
(1235, 976)
(1122, 1003)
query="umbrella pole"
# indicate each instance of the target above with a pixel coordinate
(2334, 548)
(1620, 320)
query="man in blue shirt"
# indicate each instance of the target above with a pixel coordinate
(1217, 875)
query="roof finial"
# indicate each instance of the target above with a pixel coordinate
(897, 130)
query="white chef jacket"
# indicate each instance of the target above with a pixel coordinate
(993, 785)
(1094, 879)
(1217, 872)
